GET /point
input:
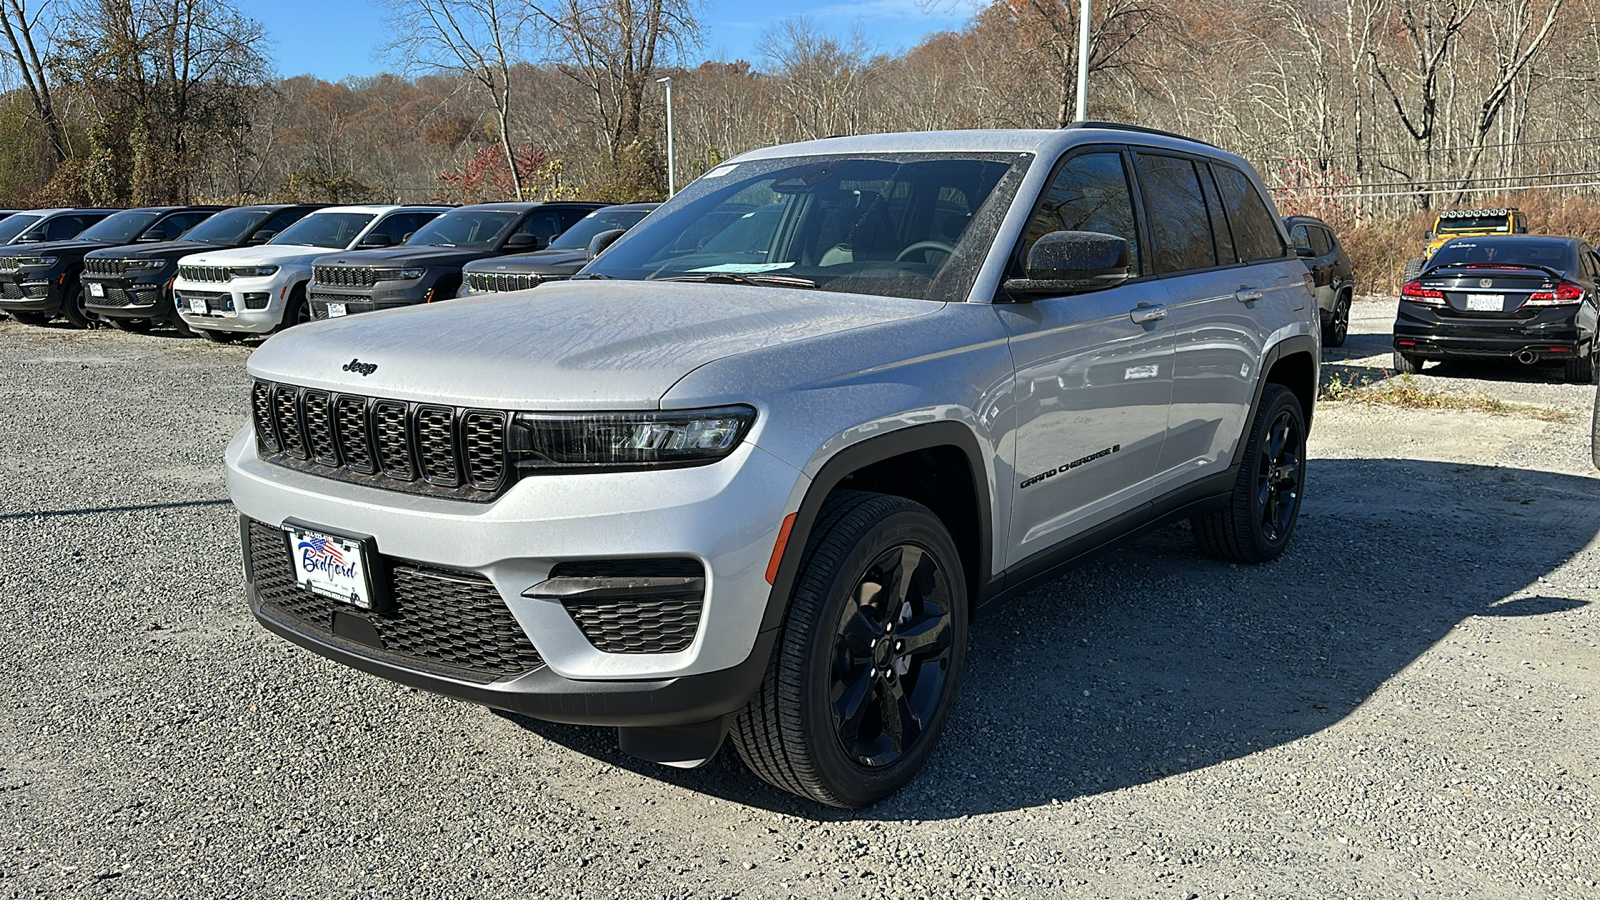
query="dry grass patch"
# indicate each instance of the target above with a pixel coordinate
(1408, 392)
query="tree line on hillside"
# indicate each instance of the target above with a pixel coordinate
(1350, 109)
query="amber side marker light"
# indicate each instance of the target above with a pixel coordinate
(777, 548)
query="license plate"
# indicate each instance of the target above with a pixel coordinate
(96, 289)
(330, 565)
(335, 310)
(1486, 302)
(197, 305)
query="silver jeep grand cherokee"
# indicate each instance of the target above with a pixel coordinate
(754, 470)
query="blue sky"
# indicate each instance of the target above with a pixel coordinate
(336, 38)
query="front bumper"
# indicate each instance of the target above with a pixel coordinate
(26, 292)
(384, 295)
(123, 298)
(1428, 333)
(243, 305)
(725, 515)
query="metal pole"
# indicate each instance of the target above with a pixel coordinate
(1083, 61)
(672, 163)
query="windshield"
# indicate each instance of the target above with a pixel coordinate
(335, 230)
(469, 229)
(120, 228)
(230, 227)
(1474, 223)
(578, 236)
(1542, 254)
(11, 226)
(912, 225)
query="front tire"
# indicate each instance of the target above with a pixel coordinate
(296, 311)
(1337, 328)
(132, 326)
(32, 318)
(220, 337)
(869, 659)
(1261, 514)
(73, 306)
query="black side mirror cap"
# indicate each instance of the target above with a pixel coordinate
(1305, 253)
(1071, 262)
(599, 243)
(524, 242)
(373, 241)
(261, 237)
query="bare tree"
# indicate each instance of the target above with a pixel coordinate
(25, 29)
(822, 80)
(477, 39)
(1431, 28)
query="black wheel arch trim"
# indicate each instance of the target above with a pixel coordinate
(1289, 346)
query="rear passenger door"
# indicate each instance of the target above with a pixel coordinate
(1224, 263)
(1094, 370)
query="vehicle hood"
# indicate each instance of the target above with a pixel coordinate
(569, 345)
(54, 248)
(169, 250)
(257, 256)
(543, 262)
(404, 256)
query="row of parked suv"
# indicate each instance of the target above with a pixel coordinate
(229, 272)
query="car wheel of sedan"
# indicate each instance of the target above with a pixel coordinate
(1406, 364)
(1258, 521)
(869, 659)
(1580, 369)
(1337, 328)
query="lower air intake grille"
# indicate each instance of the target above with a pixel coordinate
(440, 620)
(640, 624)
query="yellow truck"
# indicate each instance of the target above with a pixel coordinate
(1465, 222)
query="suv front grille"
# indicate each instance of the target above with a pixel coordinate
(203, 273)
(94, 266)
(419, 448)
(10, 263)
(497, 282)
(438, 619)
(665, 624)
(345, 276)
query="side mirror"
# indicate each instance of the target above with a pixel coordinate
(261, 237)
(524, 242)
(374, 241)
(1305, 253)
(604, 239)
(1071, 262)
(1520, 229)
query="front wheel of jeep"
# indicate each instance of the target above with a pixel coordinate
(869, 658)
(1261, 514)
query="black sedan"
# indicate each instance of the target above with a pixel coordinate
(1525, 297)
(1316, 245)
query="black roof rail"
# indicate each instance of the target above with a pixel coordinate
(1140, 129)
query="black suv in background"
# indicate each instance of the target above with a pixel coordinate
(428, 266)
(39, 282)
(1525, 297)
(132, 286)
(1316, 244)
(36, 226)
(557, 262)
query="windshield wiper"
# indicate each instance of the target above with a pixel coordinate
(755, 278)
(593, 276)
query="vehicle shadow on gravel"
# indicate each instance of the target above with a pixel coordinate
(1153, 661)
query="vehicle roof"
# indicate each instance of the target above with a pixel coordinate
(1512, 239)
(1041, 142)
(61, 209)
(274, 207)
(379, 208)
(627, 206)
(524, 206)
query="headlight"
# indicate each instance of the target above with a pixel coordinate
(36, 261)
(412, 274)
(144, 263)
(252, 271)
(399, 274)
(544, 442)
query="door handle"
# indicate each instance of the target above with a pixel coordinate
(1143, 314)
(1246, 294)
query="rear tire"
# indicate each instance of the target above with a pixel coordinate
(1413, 270)
(1406, 364)
(1579, 369)
(869, 658)
(1337, 328)
(32, 318)
(1261, 514)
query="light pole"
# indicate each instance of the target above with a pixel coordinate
(672, 167)
(1083, 65)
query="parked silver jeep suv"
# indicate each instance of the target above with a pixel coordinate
(757, 482)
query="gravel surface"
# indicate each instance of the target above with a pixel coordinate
(1403, 705)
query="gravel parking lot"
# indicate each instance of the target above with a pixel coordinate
(1404, 705)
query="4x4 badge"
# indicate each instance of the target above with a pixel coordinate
(360, 368)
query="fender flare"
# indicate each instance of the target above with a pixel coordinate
(1289, 346)
(865, 453)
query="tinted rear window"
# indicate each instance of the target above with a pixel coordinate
(1179, 223)
(1255, 229)
(1548, 254)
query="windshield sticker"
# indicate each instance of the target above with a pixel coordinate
(745, 268)
(720, 171)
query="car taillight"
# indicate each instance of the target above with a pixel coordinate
(1565, 294)
(1416, 293)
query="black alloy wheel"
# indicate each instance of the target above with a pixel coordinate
(869, 658)
(1338, 327)
(891, 656)
(74, 305)
(1261, 514)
